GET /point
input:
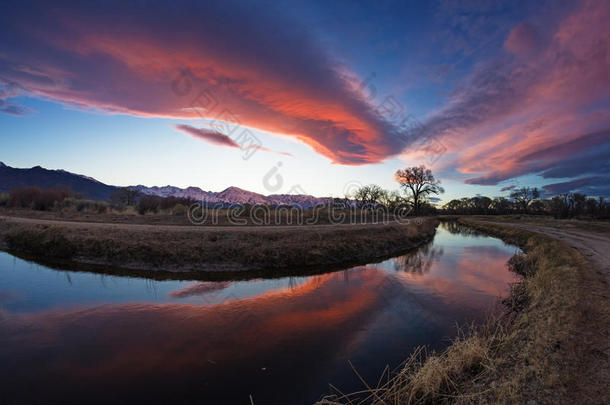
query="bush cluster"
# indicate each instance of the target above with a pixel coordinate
(154, 204)
(42, 199)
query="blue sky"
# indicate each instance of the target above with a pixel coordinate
(89, 90)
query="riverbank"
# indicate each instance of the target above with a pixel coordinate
(549, 347)
(269, 249)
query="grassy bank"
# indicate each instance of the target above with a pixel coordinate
(536, 351)
(241, 214)
(224, 249)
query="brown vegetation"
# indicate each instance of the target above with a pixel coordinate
(534, 352)
(36, 198)
(206, 249)
(526, 200)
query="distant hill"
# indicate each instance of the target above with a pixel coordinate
(11, 178)
(235, 195)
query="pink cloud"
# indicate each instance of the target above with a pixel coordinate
(523, 39)
(537, 107)
(128, 58)
(207, 135)
(220, 139)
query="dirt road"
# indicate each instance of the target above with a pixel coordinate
(594, 331)
(193, 228)
(593, 245)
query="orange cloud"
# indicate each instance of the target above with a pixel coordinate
(553, 89)
(153, 61)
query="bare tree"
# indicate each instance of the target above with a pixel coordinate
(524, 196)
(368, 195)
(125, 196)
(420, 183)
(391, 199)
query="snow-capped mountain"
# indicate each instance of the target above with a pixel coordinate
(91, 188)
(234, 195)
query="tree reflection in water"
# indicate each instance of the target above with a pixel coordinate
(420, 261)
(456, 228)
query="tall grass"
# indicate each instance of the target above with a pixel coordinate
(272, 249)
(526, 353)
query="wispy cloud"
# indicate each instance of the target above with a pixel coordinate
(121, 57)
(543, 104)
(10, 107)
(587, 185)
(220, 139)
(208, 135)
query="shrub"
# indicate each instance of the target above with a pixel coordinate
(80, 205)
(48, 242)
(153, 203)
(36, 198)
(149, 203)
(179, 210)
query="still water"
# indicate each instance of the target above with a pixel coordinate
(82, 337)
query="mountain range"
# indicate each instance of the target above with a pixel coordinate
(91, 188)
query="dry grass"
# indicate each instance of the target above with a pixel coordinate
(531, 352)
(198, 249)
(434, 377)
(266, 216)
(589, 225)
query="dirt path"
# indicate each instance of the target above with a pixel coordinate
(594, 246)
(189, 228)
(594, 333)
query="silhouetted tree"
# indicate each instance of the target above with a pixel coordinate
(368, 195)
(419, 182)
(500, 205)
(391, 199)
(125, 196)
(524, 196)
(149, 203)
(481, 204)
(566, 205)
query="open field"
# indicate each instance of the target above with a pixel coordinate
(551, 346)
(240, 214)
(590, 227)
(210, 248)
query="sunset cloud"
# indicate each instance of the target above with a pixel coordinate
(536, 102)
(9, 107)
(592, 186)
(538, 109)
(245, 66)
(220, 139)
(208, 135)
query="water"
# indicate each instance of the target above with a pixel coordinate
(84, 337)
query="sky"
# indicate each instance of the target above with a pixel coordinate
(310, 97)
